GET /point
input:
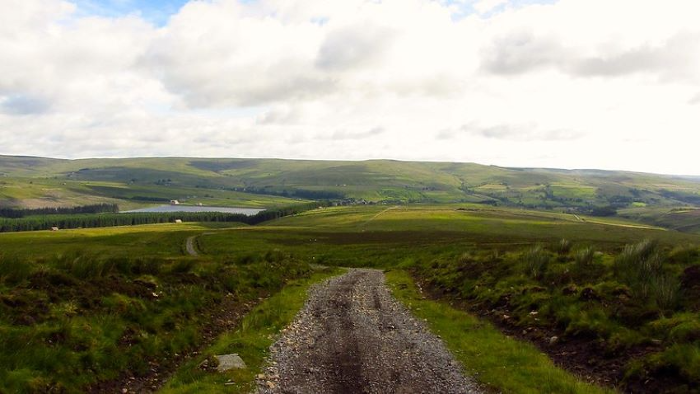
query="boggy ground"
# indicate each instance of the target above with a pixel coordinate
(353, 337)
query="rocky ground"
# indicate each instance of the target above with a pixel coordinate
(353, 337)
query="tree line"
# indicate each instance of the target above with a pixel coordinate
(14, 213)
(46, 222)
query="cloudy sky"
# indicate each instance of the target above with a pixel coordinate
(611, 84)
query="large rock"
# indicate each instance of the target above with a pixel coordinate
(229, 361)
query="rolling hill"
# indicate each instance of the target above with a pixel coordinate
(651, 198)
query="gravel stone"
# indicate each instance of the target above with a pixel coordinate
(352, 336)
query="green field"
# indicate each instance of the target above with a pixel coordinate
(136, 182)
(54, 283)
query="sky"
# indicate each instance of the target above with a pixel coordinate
(607, 84)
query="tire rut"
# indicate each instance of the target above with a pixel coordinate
(352, 336)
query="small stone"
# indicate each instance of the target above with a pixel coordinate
(125, 390)
(553, 340)
(229, 361)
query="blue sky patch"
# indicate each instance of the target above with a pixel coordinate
(155, 11)
(159, 11)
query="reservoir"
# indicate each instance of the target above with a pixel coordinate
(188, 208)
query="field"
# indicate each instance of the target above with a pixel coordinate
(48, 192)
(136, 182)
(478, 258)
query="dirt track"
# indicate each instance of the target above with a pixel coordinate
(353, 337)
(189, 246)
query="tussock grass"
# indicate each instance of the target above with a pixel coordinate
(584, 257)
(536, 261)
(563, 247)
(642, 267)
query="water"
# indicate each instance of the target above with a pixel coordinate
(189, 208)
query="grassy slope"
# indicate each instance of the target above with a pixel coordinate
(377, 180)
(369, 236)
(50, 192)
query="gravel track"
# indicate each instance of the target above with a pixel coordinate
(352, 336)
(189, 246)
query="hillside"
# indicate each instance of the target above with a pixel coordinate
(35, 182)
(81, 306)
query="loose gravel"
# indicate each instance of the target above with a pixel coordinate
(352, 336)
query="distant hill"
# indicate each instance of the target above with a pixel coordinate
(31, 181)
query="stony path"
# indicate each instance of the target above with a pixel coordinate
(353, 337)
(189, 245)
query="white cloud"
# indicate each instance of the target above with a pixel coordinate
(570, 84)
(695, 99)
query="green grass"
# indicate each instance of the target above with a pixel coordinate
(384, 235)
(615, 301)
(146, 240)
(213, 181)
(74, 319)
(437, 241)
(251, 340)
(494, 360)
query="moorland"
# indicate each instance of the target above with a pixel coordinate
(535, 279)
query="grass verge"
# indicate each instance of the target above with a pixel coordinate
(257, 331)
(495, 360)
